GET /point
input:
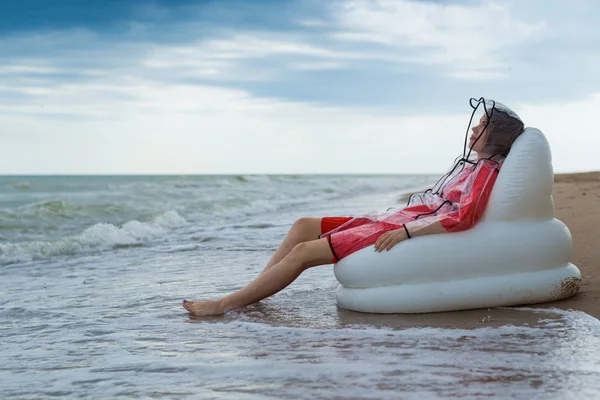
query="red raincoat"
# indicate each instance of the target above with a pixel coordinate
(456, 208)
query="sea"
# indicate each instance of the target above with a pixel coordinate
(93, 270)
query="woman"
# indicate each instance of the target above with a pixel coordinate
(454, 204)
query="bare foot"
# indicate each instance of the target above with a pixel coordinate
(199, 308)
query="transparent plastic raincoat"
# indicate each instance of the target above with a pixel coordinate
(458, 199)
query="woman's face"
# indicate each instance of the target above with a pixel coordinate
(478, 147)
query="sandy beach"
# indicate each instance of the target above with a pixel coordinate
(577, 204)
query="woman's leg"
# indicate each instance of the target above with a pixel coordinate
(303, 230)
(303, 256)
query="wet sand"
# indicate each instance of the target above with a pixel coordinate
(577, 204)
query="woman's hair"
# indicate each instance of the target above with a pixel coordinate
(503, 130)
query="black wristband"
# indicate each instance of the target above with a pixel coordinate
(406, 229)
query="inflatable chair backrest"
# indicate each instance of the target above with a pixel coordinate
(523, 190)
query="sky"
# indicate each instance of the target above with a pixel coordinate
(298, 86)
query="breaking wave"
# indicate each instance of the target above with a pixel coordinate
(100, 236)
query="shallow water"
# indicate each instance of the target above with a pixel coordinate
(103, 317)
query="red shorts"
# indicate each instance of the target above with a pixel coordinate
(328, 224)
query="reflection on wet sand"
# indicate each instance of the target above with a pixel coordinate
(321, 312)
(470, 354)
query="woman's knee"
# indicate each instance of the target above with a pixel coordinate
(300, 254)
(306, 228)
(311, 253)
(299, 250)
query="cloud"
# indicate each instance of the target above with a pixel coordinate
(202, 129)
(468, 40)
(573, 134)
(317, 65)
(462, 41)
(238, 57)
(26, 69)
(371, 86)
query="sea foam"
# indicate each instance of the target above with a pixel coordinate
(100, 236)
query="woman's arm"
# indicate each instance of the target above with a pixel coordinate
(470, 209)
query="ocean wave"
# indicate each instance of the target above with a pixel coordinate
(22, 185)
(100, 236)
(170, 219)
(61, 208)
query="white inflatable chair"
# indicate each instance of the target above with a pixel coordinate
(517, 254)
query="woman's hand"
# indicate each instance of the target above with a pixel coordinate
(389, 239)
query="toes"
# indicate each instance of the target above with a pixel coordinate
(191, 306)
(201, 308)
(194, 311)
